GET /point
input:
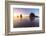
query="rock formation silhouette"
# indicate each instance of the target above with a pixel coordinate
(32, 16)
(20, 15)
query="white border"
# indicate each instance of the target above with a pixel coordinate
(29, 28)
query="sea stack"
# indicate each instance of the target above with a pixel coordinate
(32, 15)
(20, 15)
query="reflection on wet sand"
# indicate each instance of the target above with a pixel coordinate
(26, 21)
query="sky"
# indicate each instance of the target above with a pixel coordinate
(26, 11)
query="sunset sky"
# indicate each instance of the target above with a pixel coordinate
(25, 11)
